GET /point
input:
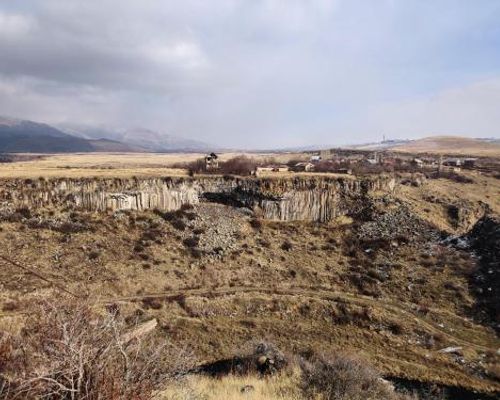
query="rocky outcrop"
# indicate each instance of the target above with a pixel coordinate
(316, 198)
(484, 239)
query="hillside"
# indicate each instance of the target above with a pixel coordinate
(32, 137)
(147, 139)
(108, 145)
(314, 264)
(20, 136)
(451, 145)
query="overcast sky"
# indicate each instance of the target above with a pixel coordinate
(256, 73)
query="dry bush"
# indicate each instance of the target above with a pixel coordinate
(240, 165)
(191, 242)
(177, 218)
(344, 377)
(452, 176)
(258, 357)
(194, 167)
(256, 224)
(67, 351)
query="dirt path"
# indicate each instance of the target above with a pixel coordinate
(317, 292)
(308, 292)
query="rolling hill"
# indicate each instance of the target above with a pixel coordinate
(452, 145)
(18, 136)
(22, 136)
(147, 139)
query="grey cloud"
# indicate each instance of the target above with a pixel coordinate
(241, 73)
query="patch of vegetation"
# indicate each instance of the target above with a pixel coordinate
(345, 377)
(256, 224)
(191, 241)
(178, 218)
(453, 176)
(84, 355)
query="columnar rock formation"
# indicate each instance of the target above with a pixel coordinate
(316, 198)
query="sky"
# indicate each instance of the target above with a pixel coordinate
(256, 73)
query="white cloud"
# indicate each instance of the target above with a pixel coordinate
(470, 110)
(183, 54)
(14, 26)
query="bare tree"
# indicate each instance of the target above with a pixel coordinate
(68, 351)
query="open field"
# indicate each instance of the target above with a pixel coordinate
(451, 145)
(115, 164)
(97, 164)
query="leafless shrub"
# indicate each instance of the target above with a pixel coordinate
(138, 248)
(240, 165)
(176, 218)
(152, 302)
(256, 223)
(453, 176)
(67, 351)
(354, 315)
(194, 167)
(25, 212)
(195, 252)
(344, 377)
(186, 207)
(191, 242)
(71, 227)
(94, 255)
(259, 357)
(11, 306)
(178, 224)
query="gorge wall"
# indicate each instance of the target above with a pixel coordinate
(312, 198)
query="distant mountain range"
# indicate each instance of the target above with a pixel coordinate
(439, 145)
(140, 138)
(383, 145)
(22, 136)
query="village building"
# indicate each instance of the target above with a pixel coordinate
(303, 167)
(418, 162)
(211, 162)
(374, 159)
(452, 162)
(469, 162)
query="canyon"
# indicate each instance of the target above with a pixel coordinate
(299, 198)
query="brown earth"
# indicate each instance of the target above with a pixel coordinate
(381, 283)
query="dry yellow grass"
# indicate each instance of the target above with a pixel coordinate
(451, 145)
(280, 387)
(287, 308)
(118, 165)
(429, 201)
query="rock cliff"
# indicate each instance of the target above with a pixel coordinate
(313, 198)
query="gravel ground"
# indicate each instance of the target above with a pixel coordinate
(216, 228)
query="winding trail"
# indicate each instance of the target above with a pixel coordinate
(317, 293)
(311, 292)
